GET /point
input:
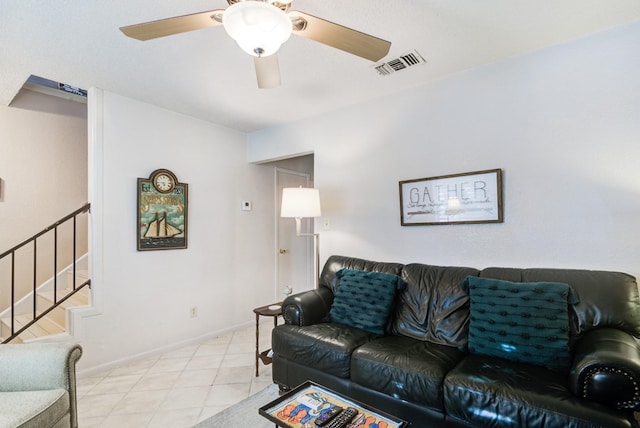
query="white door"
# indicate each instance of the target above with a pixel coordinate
(294, 253)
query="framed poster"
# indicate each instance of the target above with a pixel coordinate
(472, 197)
(162, 212)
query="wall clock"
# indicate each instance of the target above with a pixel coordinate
(163, 180)
(162, 212)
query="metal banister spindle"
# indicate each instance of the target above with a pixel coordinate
(74, 253)
(55, 264)
(13, 290)
(35, 274)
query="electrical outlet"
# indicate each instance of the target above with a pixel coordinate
(194, 312)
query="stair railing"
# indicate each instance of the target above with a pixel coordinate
(56, 302)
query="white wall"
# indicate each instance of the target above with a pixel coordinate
(563, 124)
(143, 299)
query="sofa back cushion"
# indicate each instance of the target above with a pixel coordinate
(606, 299)
(336, 263)
(433, 306)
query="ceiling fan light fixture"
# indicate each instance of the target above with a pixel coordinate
(259, 28)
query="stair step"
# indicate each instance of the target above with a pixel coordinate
(81, 298)
(81, 276)
(59, 314)
(43, 327)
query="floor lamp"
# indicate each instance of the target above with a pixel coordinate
(299, 203)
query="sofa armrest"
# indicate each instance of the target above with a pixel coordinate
(606, 368)
(308, 307)
(38, 366)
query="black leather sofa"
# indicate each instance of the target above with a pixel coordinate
(420, 370)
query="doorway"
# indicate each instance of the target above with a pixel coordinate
(294, 254)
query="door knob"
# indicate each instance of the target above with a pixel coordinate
(282, 250)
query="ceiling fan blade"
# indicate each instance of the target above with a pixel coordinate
(338, 36)
(178, 24)
(267, 71)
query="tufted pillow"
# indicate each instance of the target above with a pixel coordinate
(364, 299)
(525, 322)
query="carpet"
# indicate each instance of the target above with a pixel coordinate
(245, 413)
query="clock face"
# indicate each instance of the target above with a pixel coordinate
(163, 182)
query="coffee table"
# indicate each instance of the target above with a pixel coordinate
(291, 411)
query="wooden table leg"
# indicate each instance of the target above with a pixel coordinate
(257, 341)
(266, 311)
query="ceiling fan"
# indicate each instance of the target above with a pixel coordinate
(260, 27)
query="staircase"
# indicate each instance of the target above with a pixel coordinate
(36, 310)
(56, 322)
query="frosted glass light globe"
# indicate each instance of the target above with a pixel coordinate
(259, 28)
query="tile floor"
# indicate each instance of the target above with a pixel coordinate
(179, 388)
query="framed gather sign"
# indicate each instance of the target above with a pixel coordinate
(472, 197)
(162, 212)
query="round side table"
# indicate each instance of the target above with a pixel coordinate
(265, 311)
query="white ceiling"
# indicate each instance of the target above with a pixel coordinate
(205, 74)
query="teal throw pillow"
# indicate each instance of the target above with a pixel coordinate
(364, 299)
(525, 322)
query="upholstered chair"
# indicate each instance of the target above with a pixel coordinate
(38, 385)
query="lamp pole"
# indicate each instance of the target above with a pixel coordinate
(316, 251)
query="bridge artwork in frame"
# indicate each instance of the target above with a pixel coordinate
(162, 212)
(472, 197)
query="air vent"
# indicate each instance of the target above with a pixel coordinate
(410, 59)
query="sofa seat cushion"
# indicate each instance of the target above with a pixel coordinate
(490, 391)
(405, 368)
(326, 346)
(33, 409)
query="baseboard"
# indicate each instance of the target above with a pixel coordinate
(88, 372)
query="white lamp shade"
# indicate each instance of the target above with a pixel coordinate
(300, 202)
(259, 28)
